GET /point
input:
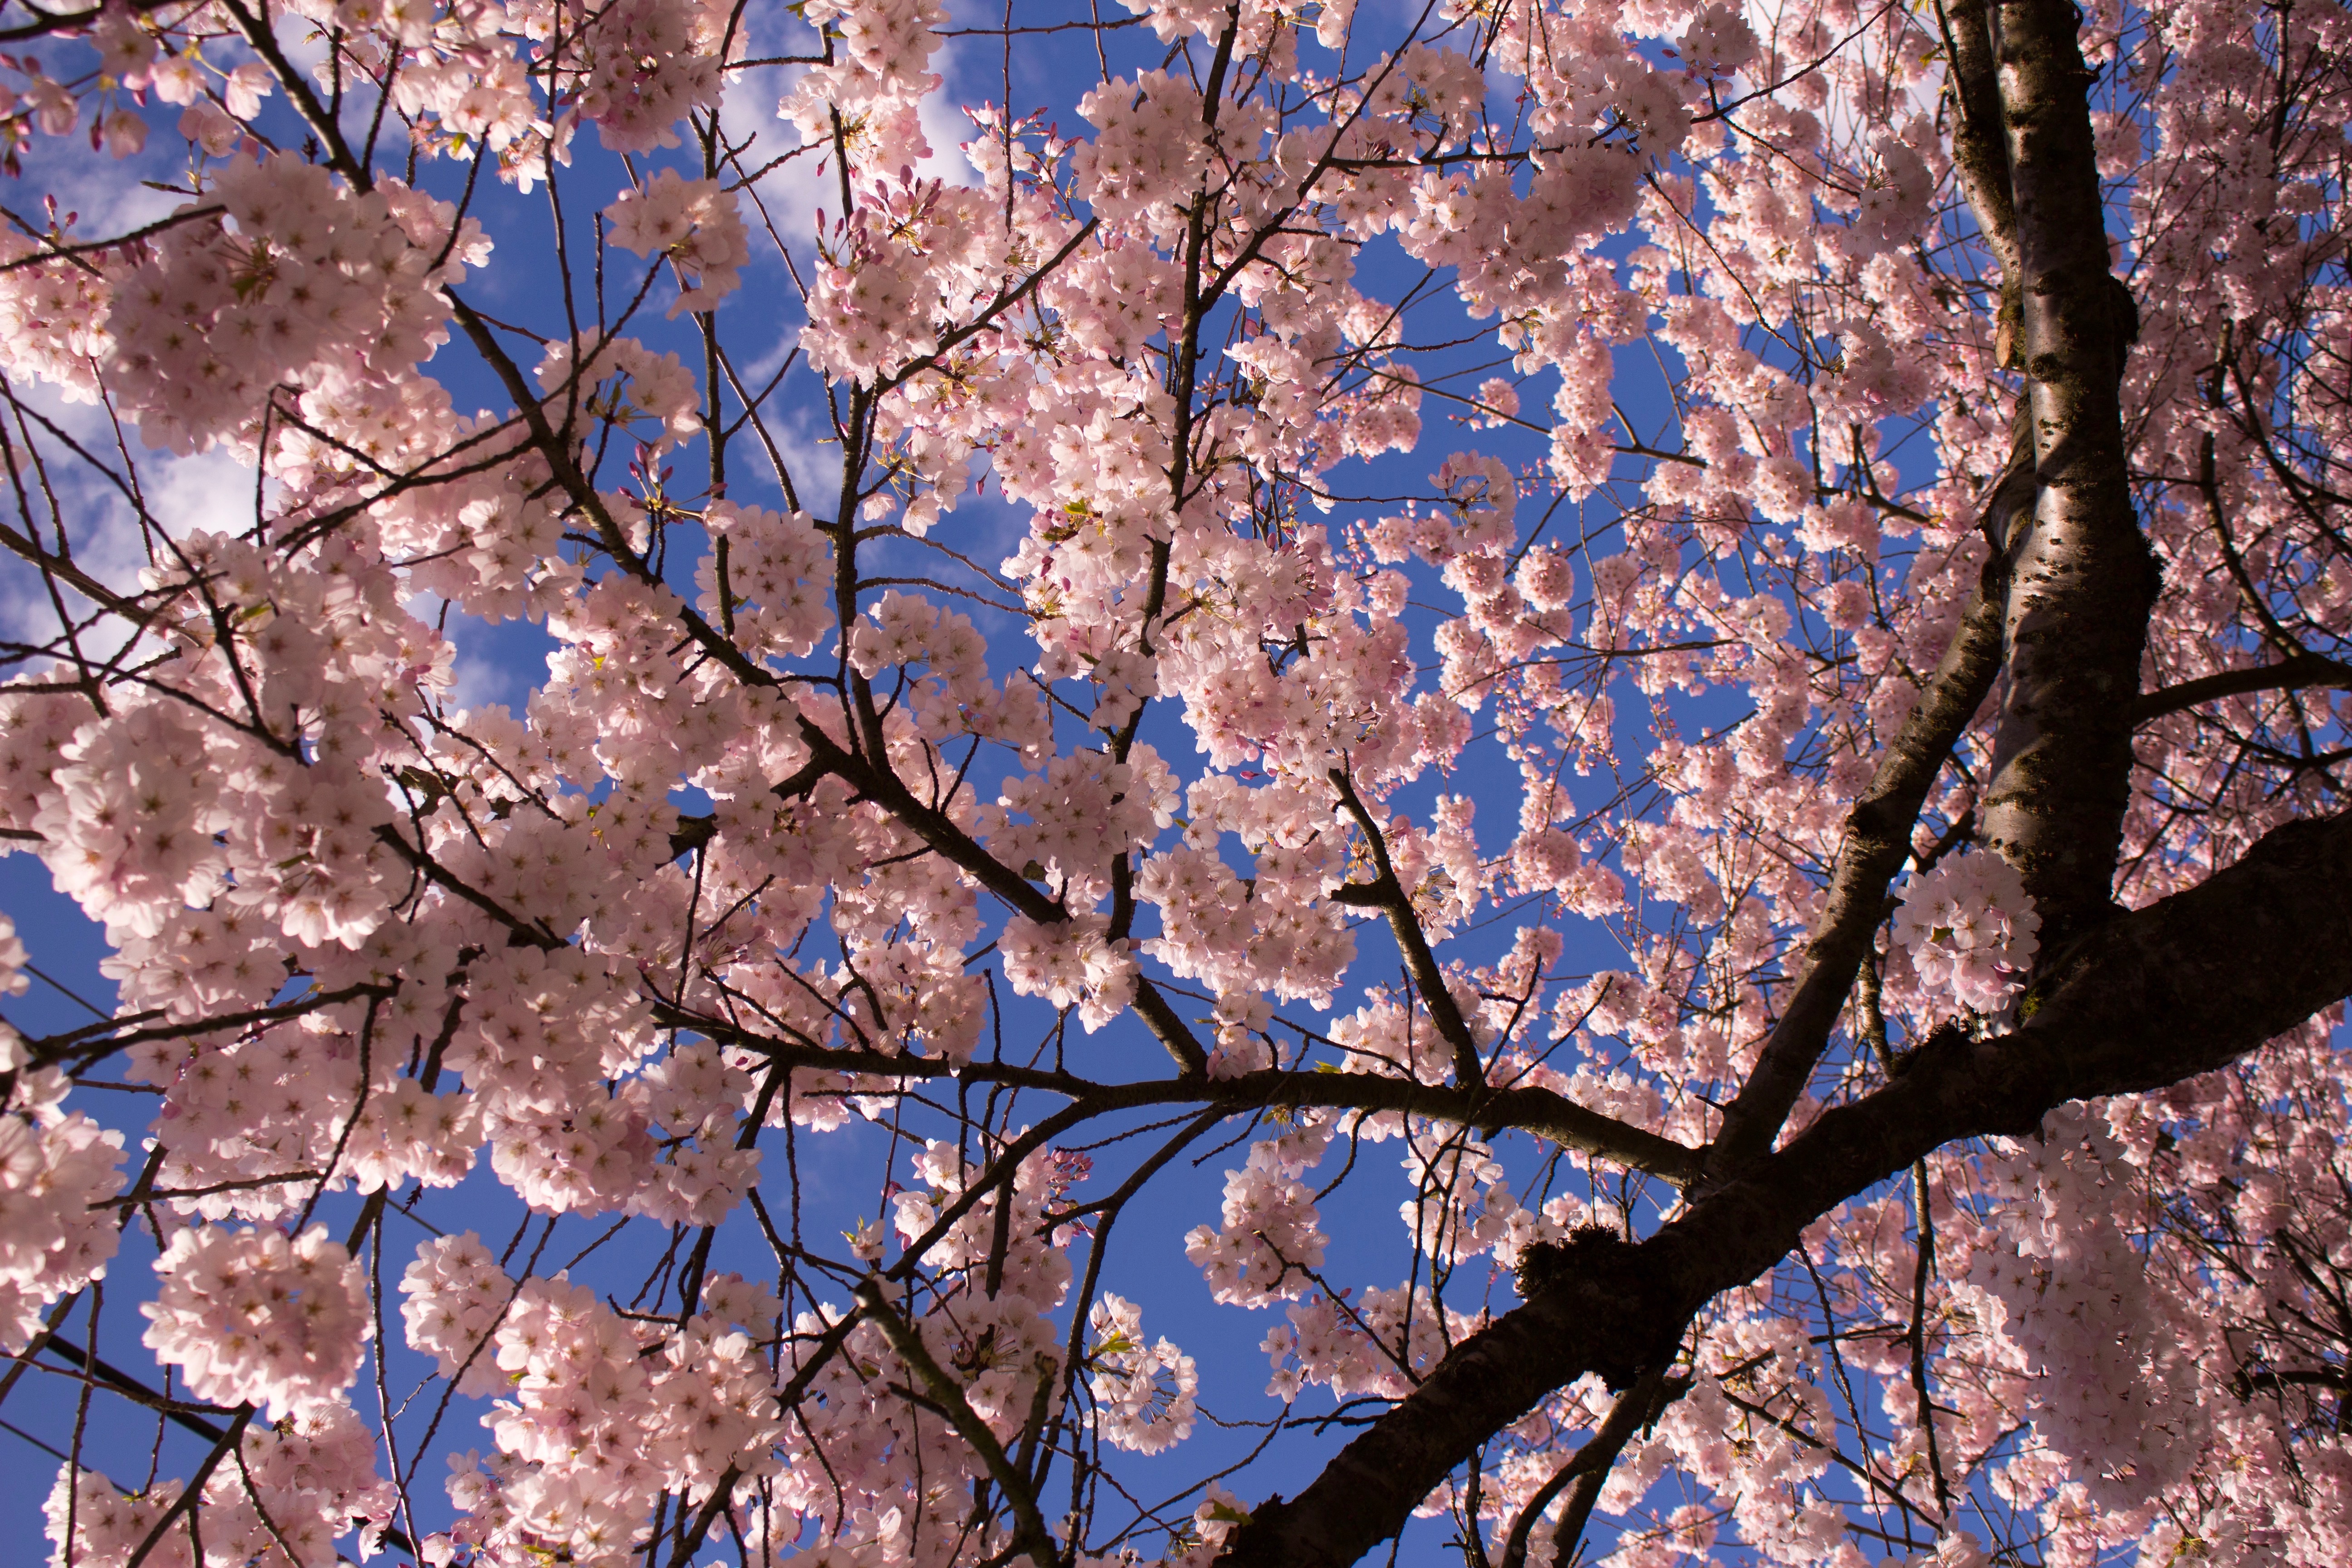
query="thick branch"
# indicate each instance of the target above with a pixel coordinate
(103, 1039)
(1030, 1524)
(2152, 997)
(939, 830)
(1877, 838)
(518, 931)
(1588, 1468)
(195, 1491)
(2085, 579)
(1978, 155)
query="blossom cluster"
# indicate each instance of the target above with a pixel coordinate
(293, 1489)
(1970, 928)
(692, 222)
(254, 1316)
(603, 1415)
(58, 1169)
(1145, 1392)
(2117, 1396)
(1271, 1234)
(1050, 591)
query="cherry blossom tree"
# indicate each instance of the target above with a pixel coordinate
(1722, 635)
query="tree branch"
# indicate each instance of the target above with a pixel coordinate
(2296, 671)
(1388, 895)
(1877, 839)
(2152, 997)
(1978, 157)
(1526, 1108)
(2085, 579)
(1030, 1531)
(1636, 1408)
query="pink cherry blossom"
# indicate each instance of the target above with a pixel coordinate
(752, 768)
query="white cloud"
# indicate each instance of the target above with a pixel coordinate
(1847, 122)
(794, 192)
(211, 492)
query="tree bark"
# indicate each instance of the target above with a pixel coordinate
(2084, 580)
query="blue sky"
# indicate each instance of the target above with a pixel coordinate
(841, 1174)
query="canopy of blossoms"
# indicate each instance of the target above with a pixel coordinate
(1651, 701)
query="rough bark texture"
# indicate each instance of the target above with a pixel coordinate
(1979, 155)
(2085, 579)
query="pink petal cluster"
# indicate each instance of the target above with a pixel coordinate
(254, 1316)
(1970, 930)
